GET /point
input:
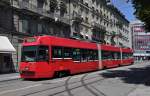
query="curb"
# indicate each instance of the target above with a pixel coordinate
(9, 78)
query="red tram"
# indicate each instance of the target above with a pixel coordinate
(48, 56)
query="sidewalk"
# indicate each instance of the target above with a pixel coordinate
(7, 77)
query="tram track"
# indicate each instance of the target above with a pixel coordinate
(81, 85)
(67, 87)
(67, 84)
(89, 89)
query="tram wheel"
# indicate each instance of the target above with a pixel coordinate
(60, 74)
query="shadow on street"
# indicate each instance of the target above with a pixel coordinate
(131, 76)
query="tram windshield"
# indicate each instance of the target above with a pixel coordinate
(34, 53)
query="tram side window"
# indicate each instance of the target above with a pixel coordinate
(57, 52)
(116, 55)
(125, 55)
(93, 54)
(90, 55)
(106, 55)
(130, 55)
(87, 55)
(76, 55)
(43, 53)
(84, 55)
(67, 52)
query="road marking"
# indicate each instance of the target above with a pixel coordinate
(8, 91)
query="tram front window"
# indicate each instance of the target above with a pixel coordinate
(29, 53)
(35, 53)
(43, 53)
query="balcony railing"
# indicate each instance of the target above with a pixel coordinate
(6, 1)
(94, 24)
(77, 18)
(41, 11)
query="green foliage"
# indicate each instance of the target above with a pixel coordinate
(142, 11)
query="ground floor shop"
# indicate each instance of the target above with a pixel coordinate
(141, 56)
(10, 53)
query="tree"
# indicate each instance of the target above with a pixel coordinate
(142, 12)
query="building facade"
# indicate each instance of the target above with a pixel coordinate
(92, 20)
(97, 21)
(141, 41)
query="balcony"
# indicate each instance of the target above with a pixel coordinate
(95, 39)
(5, 2)
(27, 7)
(34, 10)
(97, 25)
(77, 35)
(77, 18)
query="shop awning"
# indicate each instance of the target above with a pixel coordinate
(5, 45)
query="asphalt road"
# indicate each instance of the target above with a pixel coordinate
(120, 81)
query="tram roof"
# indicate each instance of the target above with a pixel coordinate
(58, 41)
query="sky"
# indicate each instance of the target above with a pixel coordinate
(125, 8)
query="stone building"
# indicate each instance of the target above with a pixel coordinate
(92, 20)
(97, 21)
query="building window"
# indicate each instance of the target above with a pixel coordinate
(81, 1)
(25, 26)
(39, 28)
(86, 19)
(86, 4)
(26, 1)
(40, 3)
(93, 1)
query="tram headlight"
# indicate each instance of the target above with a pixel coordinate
(26, 68)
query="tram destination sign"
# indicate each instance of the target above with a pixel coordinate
(31, 39)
